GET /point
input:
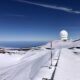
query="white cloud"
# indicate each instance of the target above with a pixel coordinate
(69, 10)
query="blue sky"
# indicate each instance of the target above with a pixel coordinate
(38, 20)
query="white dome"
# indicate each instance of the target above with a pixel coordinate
(64, 35)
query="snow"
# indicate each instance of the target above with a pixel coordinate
(36, 63)
(76, 51)
(76, 44)
(68, 67)
(44, 72)
(6, 59)
(59, 44)
(28, 66)
(47, 70)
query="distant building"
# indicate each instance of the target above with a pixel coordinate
(64, 35)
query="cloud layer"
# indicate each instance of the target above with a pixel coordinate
(69, 10)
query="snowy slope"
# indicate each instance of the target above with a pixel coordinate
(77, 43)
(26, 68)
(68, 67)
(59, 44)
(34, 65)
(6, 59)
(47, 70)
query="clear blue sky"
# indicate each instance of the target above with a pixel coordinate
(38, 20)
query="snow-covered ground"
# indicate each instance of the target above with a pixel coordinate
(6, 59)
(27, 67)
(36, 63)
(68, 66)
(59, 44)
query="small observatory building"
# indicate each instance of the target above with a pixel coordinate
(63, 35)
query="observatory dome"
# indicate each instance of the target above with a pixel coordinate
(64, 35)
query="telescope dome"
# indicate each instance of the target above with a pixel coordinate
(64, 35)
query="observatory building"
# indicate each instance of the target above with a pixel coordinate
(64, 35)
